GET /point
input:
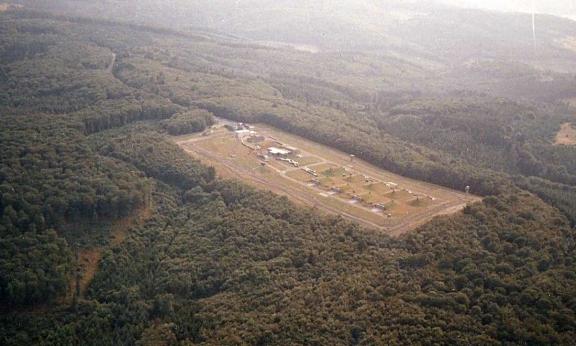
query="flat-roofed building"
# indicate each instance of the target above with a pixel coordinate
(275, 151)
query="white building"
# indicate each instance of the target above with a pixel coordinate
(278, 151)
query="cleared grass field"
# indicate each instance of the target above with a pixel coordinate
(324, 178)
(300, 175)
(305, 161)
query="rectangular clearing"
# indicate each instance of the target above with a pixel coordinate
(315, 175)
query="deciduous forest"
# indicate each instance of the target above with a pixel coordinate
(89, 108)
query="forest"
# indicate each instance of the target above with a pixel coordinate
(89, 108)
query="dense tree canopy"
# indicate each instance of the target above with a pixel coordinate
(88, 108)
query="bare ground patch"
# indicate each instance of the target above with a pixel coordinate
(566, 135)
(6, 6)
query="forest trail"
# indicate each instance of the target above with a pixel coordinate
(88, 259)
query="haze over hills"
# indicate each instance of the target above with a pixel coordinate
(424, 29)
(442, 40)
(561, 8)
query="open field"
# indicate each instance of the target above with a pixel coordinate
(566, 135)
(321, 177)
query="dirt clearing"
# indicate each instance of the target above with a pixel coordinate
(566, 135)
(5, 6)
(315, 175)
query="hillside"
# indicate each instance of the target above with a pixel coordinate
(89, 107)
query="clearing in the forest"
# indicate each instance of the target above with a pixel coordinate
(316, 175)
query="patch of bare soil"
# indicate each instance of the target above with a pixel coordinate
(568, 43)
(566, 135)
(5, 6)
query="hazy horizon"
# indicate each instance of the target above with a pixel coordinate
(562, 8)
